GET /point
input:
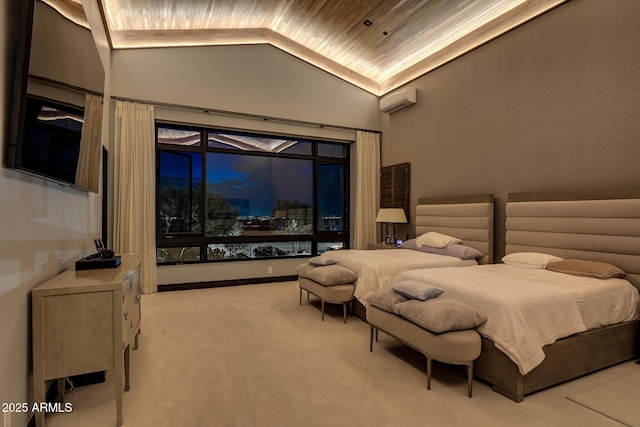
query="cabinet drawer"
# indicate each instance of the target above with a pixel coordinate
(130, 307)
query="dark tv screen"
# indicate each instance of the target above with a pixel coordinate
(50, 146)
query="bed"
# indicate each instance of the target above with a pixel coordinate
(469, 218)
(565, 326)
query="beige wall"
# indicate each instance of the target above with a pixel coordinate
(254, 79)
(552, 105)
(44, 228)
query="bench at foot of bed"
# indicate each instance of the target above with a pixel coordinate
(331, 283)
(455, 347)
(336, 294)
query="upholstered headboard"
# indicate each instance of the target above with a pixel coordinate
(592, 226)
(469, 218)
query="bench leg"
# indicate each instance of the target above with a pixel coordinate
(470, 378)
(371, 328)
(428, 373)
(344, 312)
(300, 295)
(322, 304)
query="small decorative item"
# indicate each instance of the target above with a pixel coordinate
(99, 245)
(103, 258)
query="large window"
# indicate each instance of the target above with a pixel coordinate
(225, 196)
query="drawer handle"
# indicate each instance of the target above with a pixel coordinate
(126, 315)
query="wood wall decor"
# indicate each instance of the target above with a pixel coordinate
(395, 187)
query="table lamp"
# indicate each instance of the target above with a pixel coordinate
(391, 216)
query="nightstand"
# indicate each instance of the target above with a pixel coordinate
(381, 246)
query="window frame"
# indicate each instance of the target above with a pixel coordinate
(201, 240)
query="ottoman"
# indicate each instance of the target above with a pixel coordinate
(331, 283)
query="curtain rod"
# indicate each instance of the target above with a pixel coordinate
(243, 115)
(63, 85)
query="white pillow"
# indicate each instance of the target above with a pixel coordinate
(435, 239)
(534, 260)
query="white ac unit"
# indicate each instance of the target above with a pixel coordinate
(398, 100)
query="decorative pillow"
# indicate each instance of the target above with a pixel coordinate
(577, 267)
(456, 250)
(413, 289)
(409, 244)
(303, 270)
(385, 299)
(533, 260)
(332, 275)
(437, 240)
(320, 261)
(440, 314)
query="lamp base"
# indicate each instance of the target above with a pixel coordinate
(391, 234)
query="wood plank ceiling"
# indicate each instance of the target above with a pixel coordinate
(377, 45)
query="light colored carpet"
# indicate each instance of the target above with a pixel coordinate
(251, 356)
(618, 399)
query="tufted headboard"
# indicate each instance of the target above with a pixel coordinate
(592, 226)
(469, 218)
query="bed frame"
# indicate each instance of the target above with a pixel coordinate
(470, 218)
(593, 226)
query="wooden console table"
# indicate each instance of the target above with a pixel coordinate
(85, 321)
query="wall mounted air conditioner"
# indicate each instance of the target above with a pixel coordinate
(398, 100)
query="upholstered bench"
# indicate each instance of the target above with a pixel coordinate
(454, 342)
(331, 283)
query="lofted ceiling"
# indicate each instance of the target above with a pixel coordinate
(377, 45)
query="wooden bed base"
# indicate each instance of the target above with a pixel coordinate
(359, 309)
(566, 359)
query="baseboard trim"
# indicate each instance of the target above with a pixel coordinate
(222, 283)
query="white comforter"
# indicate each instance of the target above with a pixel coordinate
(380, 268)
(527, 309)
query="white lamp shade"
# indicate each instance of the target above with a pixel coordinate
(391, 215)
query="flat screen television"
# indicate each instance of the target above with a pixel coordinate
(50, 145)
(44, 134)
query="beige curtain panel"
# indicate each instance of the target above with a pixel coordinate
(134, 187)
(90, 145)
(367, 188)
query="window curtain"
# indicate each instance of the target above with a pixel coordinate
(367, 188)
(134, 187)
(90, 144)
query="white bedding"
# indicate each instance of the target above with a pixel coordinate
(527, 309)
(380, 268)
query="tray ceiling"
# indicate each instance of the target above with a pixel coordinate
(377, 45)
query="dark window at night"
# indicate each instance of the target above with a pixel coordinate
(180, 192)
(261, 197)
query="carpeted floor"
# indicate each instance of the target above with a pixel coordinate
(251, 356)
(617, 399)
